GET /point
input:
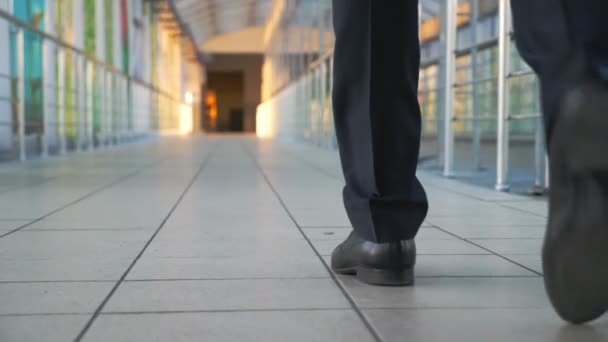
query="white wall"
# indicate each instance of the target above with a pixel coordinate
(276, 118)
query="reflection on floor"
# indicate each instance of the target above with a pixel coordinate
(227, 239)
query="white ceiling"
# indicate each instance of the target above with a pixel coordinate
(207, 19)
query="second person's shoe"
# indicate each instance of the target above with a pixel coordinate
(575, 253)
(388, 264)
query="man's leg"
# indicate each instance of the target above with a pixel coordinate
(560, 40)
(587, 22)
(543, 40)
(377, 118)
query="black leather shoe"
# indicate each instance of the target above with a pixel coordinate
(575, 252)
(389, 264)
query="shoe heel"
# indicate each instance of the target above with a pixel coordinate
(383, 277)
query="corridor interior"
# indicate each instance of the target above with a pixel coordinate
(227, 238)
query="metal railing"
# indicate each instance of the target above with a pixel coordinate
(314, 122)
(77, 102)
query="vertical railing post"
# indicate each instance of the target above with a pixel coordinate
(79, 93)
(44, 136)
(331, 89)
(90, 70)
(502, 142)
(129, 112)
(450, 65)
(124, 122)
(112, 105)
(117, 118)
(120, 110)
(61, 100)
(21, 83)
(322, 99)
(474, 77)
(101, 83)
(539, 157)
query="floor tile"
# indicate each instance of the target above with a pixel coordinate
(340, 234)
(507, 232)
(434, 266)
(230, 267)
(62, 269)
(294, 326)
(40, 298)
(330, 234)
(183, 247)
(516, 219)
(533, 262)
(465, 325)
(227, 295)
(85, 224)
(538, 207)
(49, 328)
(41, 245)
(512, 246)
(452, 293)
(8, 225)
(201, 234)
(232, 222)
(467, 266)
(320, 218)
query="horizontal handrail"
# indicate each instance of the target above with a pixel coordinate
(25, 25)
(324, 57)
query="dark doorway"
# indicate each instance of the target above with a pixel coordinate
(228, 89)
(236, 120)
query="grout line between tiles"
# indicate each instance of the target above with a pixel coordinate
(90, 322)
(84, 197)
(492, 252)
(366, 322)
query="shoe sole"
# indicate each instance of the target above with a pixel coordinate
(575, 251)
(380, 277)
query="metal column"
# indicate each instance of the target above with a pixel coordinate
(21, 94)
(44, 136)
(539, 157)
(89, 104)
(110, 107)
(80, 93)
(101, 82)
(502, 142)
(540, 152)
(61, 100)
(474, 84)
(334, 141)
(450, 65)
(124, 122)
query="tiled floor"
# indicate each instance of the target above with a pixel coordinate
(228, 239)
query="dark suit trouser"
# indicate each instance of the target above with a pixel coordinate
(376, 110)
(377, 116)
(565, 42)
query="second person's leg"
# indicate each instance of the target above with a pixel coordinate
(563, 41)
